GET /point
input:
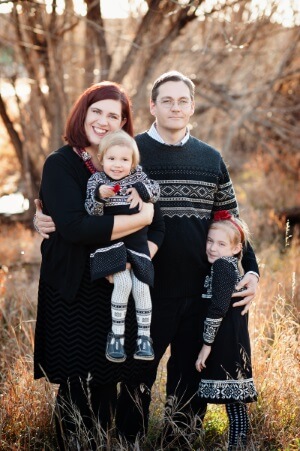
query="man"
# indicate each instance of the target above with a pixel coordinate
(194, 183)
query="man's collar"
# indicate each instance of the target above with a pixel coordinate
(153, 133)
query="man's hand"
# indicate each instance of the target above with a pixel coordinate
(153, 248)
(250, 282)
(43, 224)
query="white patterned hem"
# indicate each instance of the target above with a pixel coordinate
(235, 390)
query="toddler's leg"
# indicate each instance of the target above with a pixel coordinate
(143, 306)
(119, 300)
(238, 425)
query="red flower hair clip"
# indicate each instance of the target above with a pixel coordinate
(116, 188)
(222, 215)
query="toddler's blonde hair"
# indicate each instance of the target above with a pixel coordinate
(119, 138)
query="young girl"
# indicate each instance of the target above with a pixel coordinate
(225, 358)
(120, 189)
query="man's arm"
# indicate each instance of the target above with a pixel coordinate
(43, 224)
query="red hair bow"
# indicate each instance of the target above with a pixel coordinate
(222, 215)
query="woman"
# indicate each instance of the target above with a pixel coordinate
(73, 317)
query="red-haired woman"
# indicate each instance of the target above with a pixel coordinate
(74, 314)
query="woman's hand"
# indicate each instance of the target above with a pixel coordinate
(147, 212)
(43, 224)
(134, 198)
(250, 282)
(203, 354)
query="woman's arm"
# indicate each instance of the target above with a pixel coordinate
(63, 192)
(123, 225)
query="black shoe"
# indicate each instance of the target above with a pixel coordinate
(144, 349)
(114, 348)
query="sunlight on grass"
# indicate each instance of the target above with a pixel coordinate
(26, 412)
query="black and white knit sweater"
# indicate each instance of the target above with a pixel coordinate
(194, 183)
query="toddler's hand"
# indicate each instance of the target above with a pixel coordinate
(106, 191)
(134, 198)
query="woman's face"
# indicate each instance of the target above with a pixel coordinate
(102, 117)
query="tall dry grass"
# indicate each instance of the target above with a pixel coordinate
(26, 410)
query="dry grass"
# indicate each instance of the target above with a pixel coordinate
(26, 411)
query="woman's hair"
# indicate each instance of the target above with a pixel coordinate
(119, 138)
(75, 133)
(173, 75)
(237, 229)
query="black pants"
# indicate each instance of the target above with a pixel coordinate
(177, 322)
(84, 415)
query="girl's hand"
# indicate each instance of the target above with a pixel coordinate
(134, 198)
(250, 281)
(43, 224)
(106, 191)
(203, 354)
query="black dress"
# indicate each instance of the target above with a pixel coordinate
(227, 377)
(132, 248)
(70, 337)
(74, 313)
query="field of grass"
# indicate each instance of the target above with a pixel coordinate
(26, 408)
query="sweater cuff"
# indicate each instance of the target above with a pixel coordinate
(211, 327)
(253, 272)
(142, 190)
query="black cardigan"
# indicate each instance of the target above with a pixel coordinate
(63, 192)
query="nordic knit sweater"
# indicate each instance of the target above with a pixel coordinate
(194, 183)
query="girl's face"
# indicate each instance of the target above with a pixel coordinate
(220, 244)
(117, 161)
(102, 117)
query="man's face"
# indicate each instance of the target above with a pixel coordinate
(173, 107)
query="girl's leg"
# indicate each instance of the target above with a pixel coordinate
(238, 425)
(143, 306)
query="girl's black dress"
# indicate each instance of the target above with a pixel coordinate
(227, 377)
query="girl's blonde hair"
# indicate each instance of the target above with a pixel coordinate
(119, 138)
(239, 230)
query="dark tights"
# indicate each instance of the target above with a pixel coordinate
(238, 425)
(84, 414)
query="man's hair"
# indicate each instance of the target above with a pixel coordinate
(119, 138)
(172, 75)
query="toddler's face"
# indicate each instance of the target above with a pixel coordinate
(117, 161)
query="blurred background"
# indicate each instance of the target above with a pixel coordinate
(244, 59)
